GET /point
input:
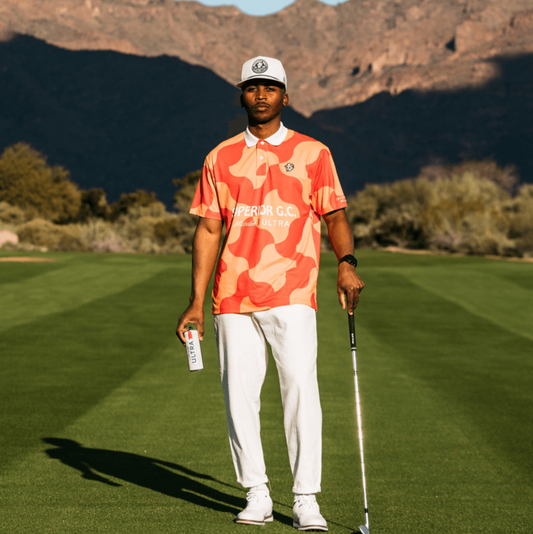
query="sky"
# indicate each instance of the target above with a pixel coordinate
(258, 7)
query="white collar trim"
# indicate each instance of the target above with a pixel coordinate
(276, 139)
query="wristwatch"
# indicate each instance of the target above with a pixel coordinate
(349, 259)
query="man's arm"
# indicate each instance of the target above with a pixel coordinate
(349, 285)
(204, 256)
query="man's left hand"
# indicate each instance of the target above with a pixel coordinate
(349, 286)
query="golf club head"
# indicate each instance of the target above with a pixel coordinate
(363, 529)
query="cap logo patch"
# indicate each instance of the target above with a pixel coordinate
(260, 66)
(289, 167)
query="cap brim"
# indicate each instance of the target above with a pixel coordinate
(260, 77)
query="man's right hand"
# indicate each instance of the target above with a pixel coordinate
(204, 256)
(194, 314)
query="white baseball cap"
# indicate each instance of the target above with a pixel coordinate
(263, 67)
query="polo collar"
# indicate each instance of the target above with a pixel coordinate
(276, 139)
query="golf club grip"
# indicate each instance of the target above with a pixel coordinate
(351, 323)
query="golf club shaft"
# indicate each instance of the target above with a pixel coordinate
(351, 322)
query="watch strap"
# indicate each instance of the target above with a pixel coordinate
(349, 258)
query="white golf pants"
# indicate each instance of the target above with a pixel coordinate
(242, 347)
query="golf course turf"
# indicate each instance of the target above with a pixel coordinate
(103, 429)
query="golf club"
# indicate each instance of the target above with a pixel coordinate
(364, 529)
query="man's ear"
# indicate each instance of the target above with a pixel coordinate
(285, 99)
(242, 100)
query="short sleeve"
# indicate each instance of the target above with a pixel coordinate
(205, 201)
(326, 194)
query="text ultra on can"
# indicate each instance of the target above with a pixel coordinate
(194, 352)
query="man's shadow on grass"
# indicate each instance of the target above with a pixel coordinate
(164, 477)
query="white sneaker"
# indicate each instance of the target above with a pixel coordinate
(259, 507)
(307, 514)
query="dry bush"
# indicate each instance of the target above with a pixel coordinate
(93, 205)
(129, 201)
(154, 210)
(101, 236)
(459, 212)
(42, 233)
(465, 214)
(176, 233)
(519, 213)
(147, 230)
(506, 178)
(12, 216)
(186, 189)
(151, 229)
(386, 215)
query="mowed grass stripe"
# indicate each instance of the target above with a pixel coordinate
(484, 369)
(75, 283)
(55, 368)
(426, 464)
(177, 417)
(492, 294)
(15, 272)
(433, 461)
(152, 456)
(446, 420)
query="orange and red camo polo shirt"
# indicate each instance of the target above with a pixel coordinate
(270, 198)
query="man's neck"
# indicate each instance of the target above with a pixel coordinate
(264, 131)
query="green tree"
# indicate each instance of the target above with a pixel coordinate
(27, 181)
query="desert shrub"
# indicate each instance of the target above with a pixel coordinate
(465, 214)
(389, 214)
(93, 205)
(519, 213)
(43, 233)
(151, 229)
(176, 232)
(137, 226)
(460, 212)
(27, 181)
(102, 237)
(504, 177)
(12, 216)
(128, 201)
(155, 210)
(186, 189)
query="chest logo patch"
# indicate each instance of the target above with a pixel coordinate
(260, 66)
(289, 167)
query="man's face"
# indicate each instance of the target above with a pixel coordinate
(263, 100)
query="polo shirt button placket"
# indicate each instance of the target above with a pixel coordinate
(261, 157)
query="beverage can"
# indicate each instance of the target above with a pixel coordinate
(194, 351)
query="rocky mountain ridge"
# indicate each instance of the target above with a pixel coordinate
(336, 56)
(120, 91)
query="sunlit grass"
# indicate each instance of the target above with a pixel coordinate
(103, 428)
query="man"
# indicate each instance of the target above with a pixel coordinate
(269, 186)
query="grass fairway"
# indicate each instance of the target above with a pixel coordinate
(104, 430)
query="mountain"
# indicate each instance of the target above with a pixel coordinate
(335, 55)
(132, 93)
(119, 121)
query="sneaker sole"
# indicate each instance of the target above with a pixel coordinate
(310, 528)
(252, 522)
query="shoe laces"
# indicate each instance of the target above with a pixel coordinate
(306, 502)
(255, 494)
